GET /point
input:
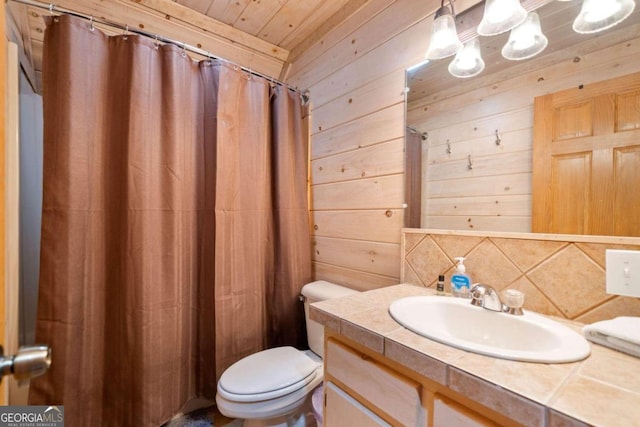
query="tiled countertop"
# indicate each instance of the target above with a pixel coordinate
(602, 390)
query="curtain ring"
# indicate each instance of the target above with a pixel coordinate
(51, 10)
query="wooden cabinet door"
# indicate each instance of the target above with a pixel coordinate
(343, 410)
(378, 387)
(586, 159)
(447, 413)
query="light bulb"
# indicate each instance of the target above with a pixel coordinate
(598, 15)
(500, 16)
(444, 39)
(468, 62)
(526, 40)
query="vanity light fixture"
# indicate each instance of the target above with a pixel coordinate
(444, 40)
(598, 15)
(501, 16)
(526, 40)
(468, 62)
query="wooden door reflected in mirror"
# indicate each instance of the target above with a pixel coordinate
(586, 159)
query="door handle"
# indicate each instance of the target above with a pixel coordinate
(30, 361)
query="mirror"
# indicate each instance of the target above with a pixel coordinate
(478, 132)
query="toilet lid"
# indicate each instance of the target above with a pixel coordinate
(269, 370)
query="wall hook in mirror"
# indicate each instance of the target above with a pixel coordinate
(470, 164)
(448, 147)
(498, 140)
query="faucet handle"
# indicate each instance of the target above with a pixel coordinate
(477, 293)
(513, 301)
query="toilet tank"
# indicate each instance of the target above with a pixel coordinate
(320, 291)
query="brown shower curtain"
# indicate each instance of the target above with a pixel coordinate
(175, 227)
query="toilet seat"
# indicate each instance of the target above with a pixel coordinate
(268, 374)
(253, 376)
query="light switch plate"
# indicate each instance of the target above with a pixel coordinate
(623, 272)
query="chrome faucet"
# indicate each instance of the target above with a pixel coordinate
(487, 297)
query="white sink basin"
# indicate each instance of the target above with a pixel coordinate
(454, 321)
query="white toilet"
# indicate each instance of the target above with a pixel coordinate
(273, 387)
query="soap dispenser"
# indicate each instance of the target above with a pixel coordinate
(460, 281)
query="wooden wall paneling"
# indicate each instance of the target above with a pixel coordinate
(309, 50)
(373, 257)
(528, 73)
(230, 11)
(614, 61)
(356, 279)
(374, 96)
(483, 186)
(382, 125)
(479, 223)
(290, 15)
(510, 142)
(512, 127)
(443, 116)
(515, 205)
(327, 27)
(322, 13)
(378, 225)
(375, 160)
(378, 30)
(498, 164)
(187, 26)
(18, 32)
(201, 6)
(445, 170)
(212, 26)
(398, 52)
(370, 193)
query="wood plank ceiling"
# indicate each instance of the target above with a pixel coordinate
(263, 35)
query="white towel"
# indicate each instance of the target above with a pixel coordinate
(621, 333)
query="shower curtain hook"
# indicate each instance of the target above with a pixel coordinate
(125, 35)
(184, 50)
(51, 7)
(91, 27)
(156, 43)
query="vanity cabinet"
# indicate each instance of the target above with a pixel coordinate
(342, 410)
(363, 388)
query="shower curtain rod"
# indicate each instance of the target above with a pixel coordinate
(53, 8)
(424, 135)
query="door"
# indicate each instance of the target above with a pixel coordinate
(3, 77)
(586, 159)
